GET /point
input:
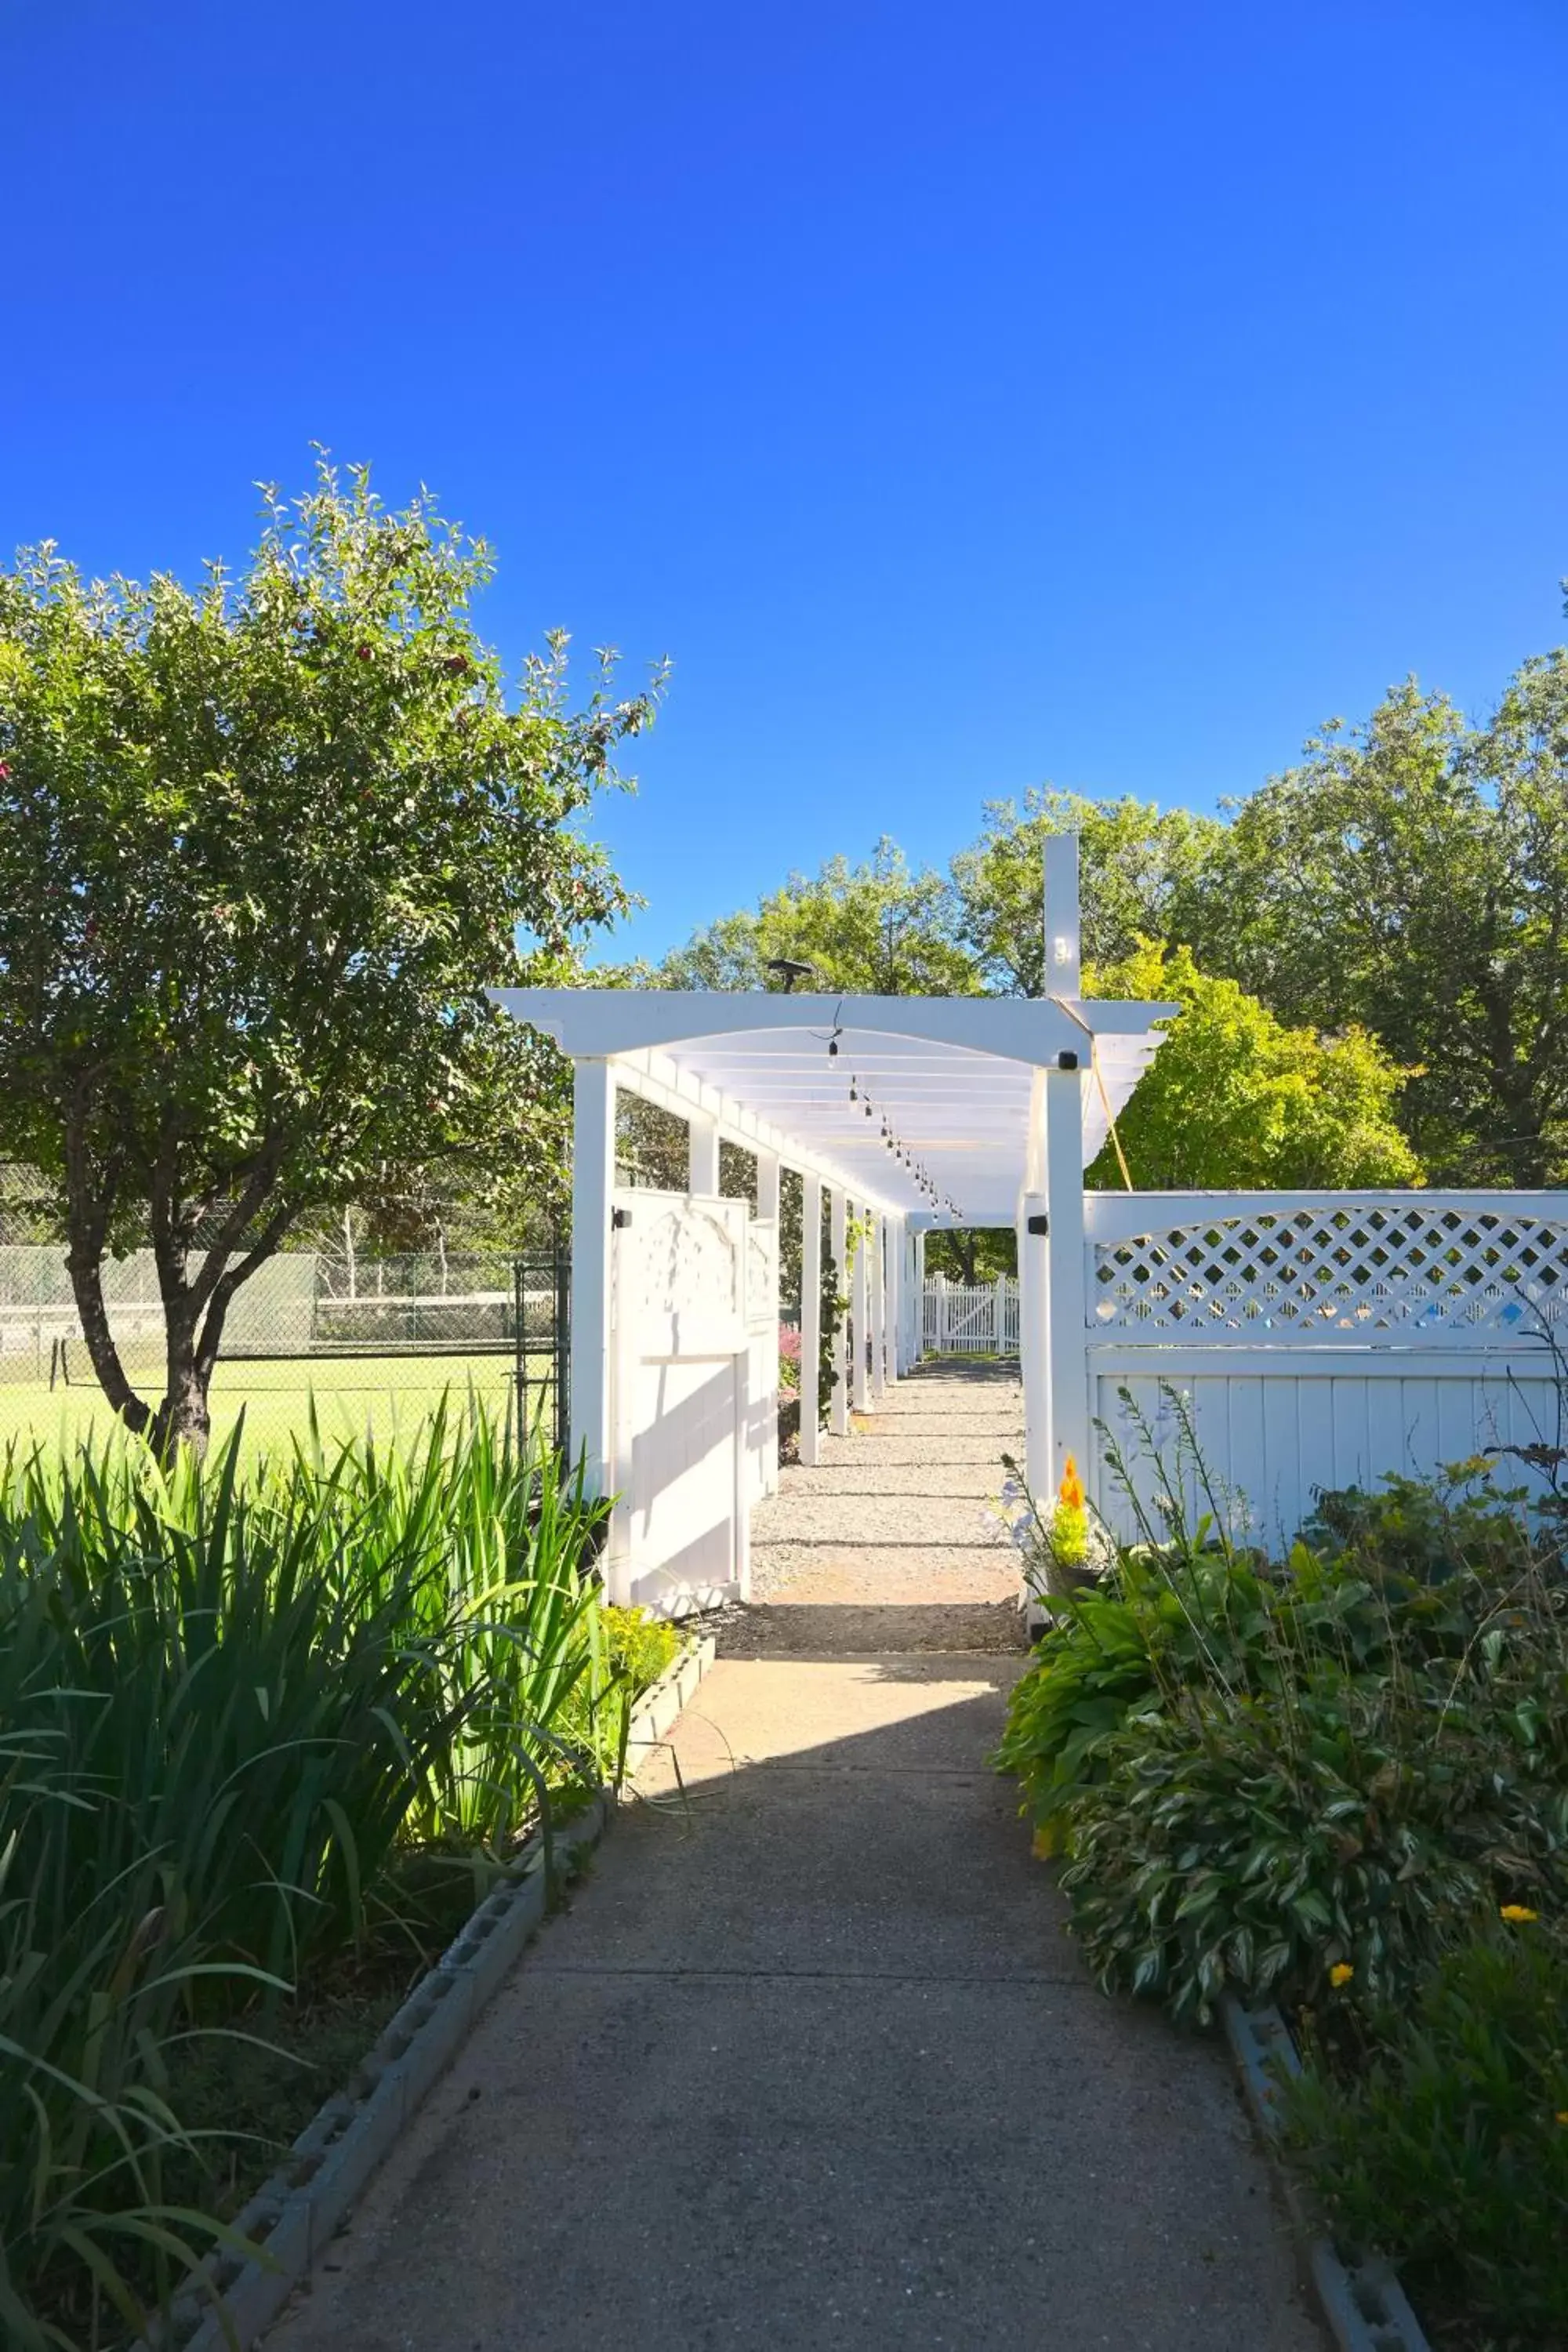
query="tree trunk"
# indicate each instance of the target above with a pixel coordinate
(183, 1418)
(84, 1264)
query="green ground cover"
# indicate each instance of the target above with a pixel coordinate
(385, 1395)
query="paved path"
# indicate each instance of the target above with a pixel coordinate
(808, 2062)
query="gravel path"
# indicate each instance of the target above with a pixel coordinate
(896, 1514)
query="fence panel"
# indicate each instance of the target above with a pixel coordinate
(372, 1343)
(1316, 1340)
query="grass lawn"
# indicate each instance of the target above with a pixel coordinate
(381, 1393)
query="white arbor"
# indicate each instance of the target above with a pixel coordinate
(908, 1113)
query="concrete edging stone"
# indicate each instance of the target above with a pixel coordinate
(287, 2225)
(1363, 2305)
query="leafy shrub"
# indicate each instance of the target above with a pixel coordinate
(1214, 1851)
(1259, 1772)
(1450, 2151)
(640, 1644)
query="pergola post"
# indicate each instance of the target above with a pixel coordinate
(838, 1239)
(919, 1316)
(768, 1209)
(593, 1183)
(1034, 1341)
(895, 1301)
(878, 1306)
(811, 1321)
(704, 1156)
(1068, 1306)
(860, 1390)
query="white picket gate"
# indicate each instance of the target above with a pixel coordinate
(971, 1319)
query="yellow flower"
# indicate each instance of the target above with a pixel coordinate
(1069, 1494)
(1518, 1914)
(1341, 1974)
(1562, 2115)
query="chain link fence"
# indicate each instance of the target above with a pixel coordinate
(362, 1342)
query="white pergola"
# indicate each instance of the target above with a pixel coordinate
(913, 1113)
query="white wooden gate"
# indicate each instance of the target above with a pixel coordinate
(693, 1395)
(970, 1318)
(1320, 1340)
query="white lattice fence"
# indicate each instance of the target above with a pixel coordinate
(1434, 1266)
(1323, 1339)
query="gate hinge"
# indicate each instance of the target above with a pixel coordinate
(620, 1217)
(1039, 1222)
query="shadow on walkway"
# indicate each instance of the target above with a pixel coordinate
(809, 2062)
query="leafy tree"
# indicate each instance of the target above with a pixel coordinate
(262, 848)
(1138, 868)
(1236, 1100)
(876, 928)
(971, 1253)
(1411, 876)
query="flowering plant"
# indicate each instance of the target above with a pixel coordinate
(1062, 1542)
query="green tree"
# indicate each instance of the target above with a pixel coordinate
(877, 928)
(262, 848)
(1234, 1100)
(1411, 876)
(1138, 868)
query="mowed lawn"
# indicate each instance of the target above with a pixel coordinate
(383, 1395)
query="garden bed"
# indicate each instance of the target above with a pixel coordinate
(1334, 1789)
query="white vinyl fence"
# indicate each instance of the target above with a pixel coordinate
(971, 1319)
(1319, 1339)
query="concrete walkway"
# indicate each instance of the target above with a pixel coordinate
(809, 2061)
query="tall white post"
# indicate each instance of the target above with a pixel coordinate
(999, 1314)
(593, 1184)
(839, 1240)
(895, 1355)
(811, 1322)
(703, 1159)
(1068, 1312)
(1064, 951)
(877, 1240)
(1067, 1309)
(920, 1285)
(1034, 1341)
(860, 1389)
(768, 1368)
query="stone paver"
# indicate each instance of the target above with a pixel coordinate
(809, 2061)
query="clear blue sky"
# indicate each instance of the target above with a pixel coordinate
(962, 396)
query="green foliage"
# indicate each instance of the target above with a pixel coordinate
(233, 1706)
(876, 928)
(1259, 1773)
(971, 1256)
(1236, 1099)
(263, 849)
(639, 1645)
(1410, 877)
(1448, 2150)
(1138, 867)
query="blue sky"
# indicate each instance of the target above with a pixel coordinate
(962, 397)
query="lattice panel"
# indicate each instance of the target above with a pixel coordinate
(1346, 1271)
